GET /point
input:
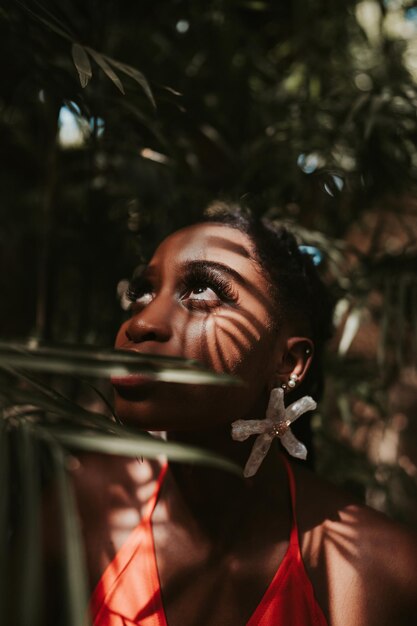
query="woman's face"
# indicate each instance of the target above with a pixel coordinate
(202, 297)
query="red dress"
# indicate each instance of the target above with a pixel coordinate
(129, 593)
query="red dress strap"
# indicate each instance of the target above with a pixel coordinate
(289, 599)
(294, 537)
(129, 592)
(129, 586)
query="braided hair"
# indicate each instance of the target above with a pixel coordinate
(298, 290)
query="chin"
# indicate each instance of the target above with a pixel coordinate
(175, 407)
(151, 416)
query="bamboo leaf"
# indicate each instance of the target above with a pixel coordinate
(171, 90)
(105, 363)
(4, 516)
(102, 62)
(52, 401)
(112, 438)
(58, 29)
(30, 569)
(74, 559)
(137, 76)
(102, 397)
(133, 444)
(82, 63)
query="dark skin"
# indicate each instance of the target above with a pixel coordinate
(219, 539)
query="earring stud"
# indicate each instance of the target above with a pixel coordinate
(293, 381)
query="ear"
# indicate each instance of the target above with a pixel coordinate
(294, 362)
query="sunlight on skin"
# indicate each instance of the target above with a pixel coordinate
(122, 520)
(342, 552)
(350, 554)
(334, 553)
(218, 541)
(225, 329)
(228, 333)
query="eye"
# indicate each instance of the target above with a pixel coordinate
(205, 288)
(201, 298)
(203, 293)
(144, 298)
(139, 293)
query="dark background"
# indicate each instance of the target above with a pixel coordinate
(305, 109)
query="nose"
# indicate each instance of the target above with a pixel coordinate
(153, 323)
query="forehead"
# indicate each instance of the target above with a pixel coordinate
(209, 242)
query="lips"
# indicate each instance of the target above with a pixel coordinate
(130, 381)
(133, 387)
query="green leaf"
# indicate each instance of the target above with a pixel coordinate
(102, 62)
(133, 444)
(137, 76)
(59, 408)
(82, 63)
(29, 543)
(171, 90)
(4, 515)
(104, 363)
(59, 30)
(49, 399)
(74, 559)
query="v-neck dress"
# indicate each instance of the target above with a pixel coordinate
(129, 592)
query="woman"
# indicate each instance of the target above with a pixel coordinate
(194, 546)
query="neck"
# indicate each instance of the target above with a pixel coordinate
(219, 501)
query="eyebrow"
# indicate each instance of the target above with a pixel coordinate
(214, 265)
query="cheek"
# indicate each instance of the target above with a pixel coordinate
(227, 341)
(230, 342)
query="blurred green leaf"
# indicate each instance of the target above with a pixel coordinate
(5, 526)
(134, 444)
(96, 362)
(82, 63)
(29, 543)
(77, 595)
(51, 400)
(138, 77)
(52, 24)
(100, 59)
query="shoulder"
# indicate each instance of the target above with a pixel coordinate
(104, 486)
(363, 565)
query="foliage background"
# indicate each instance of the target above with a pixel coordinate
(306, 109)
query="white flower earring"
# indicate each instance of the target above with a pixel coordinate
(276, 424)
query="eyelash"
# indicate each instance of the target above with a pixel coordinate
(207, 277)
(194, 278)
(137, 287)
